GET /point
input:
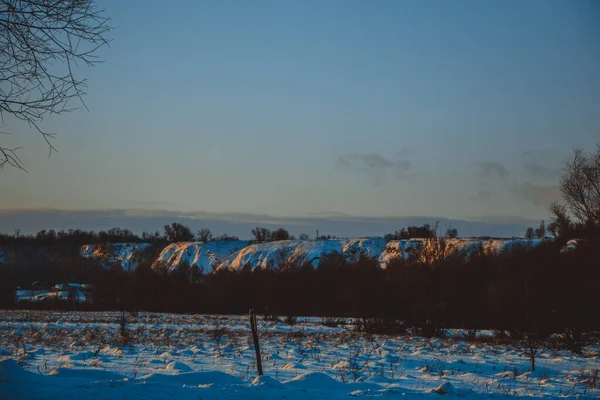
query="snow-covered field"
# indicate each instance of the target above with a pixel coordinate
(77, 355)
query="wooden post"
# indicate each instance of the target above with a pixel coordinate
(256, 344)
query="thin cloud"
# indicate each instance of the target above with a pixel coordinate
(154, 203)
(375, 166)
(540, 195)
(342, 162)
(493, 168)
(483, 195)
(537, 171)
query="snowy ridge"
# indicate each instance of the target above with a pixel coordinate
(396, 249)
(277, 254)
(234, 255)
(204, 256)
(127, 255)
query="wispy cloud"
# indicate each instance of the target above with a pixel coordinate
(483, 195)
(375, 166)
(540, 195)
(537, 171)
(154, 203)
(493, 168)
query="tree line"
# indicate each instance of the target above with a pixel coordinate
(172, 233)
(541, 289)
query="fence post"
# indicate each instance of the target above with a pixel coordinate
(256, 344)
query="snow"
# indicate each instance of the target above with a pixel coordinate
(126, 255)
(36, 296)
(570, 245)
(274, 255)
(204, 256)
(234, 255)
(396, 249)
(50, 355)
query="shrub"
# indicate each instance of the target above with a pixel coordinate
(332, 322)
(428, 328)
(380, 326)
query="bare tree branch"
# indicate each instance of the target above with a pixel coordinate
(580, 187)
(42, 43)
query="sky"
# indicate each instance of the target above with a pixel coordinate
(348, 116)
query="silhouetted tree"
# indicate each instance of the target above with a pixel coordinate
(177, 232)
(552, 229)
(204, 235)
(261, 234)
(279, 234)
(580, 186)
(425, 231)
(152, 237)
(540, 232)
(529, 233)
(561, 224)
(452, 233)
(225, 238)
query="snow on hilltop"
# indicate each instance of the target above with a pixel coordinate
(204, 256)
(396, 249)
(276, 254)
(234, 255)
(126, 255)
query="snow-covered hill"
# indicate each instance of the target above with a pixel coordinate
(274, 255)
(204, 256)
(126, 255)
(234, 255)
(396, 249)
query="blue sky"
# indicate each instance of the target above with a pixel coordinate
(321, 109)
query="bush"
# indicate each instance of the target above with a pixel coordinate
(380, 326)
(332, 322)
(428, 328)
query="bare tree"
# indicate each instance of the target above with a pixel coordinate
(204, 235)
(42, 43)
(529, 233)
(436, 249)
(561, 224)
(540, 232)
(452, 233)
(177, 232)
(532, 348)
(261, 234)
(580, 186)
(280, 234)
